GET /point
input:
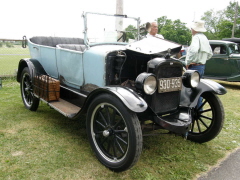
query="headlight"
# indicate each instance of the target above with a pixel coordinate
(146, 82)
(191, 78)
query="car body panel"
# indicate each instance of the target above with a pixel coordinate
(154, 45)
(94, 63)
(70, 67)
(46, 56)
(132, 100)
(205, 85)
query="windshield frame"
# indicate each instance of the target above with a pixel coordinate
(85, 31)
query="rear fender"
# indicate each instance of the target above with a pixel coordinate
(33, 65)
(189, 97)
(129, 98)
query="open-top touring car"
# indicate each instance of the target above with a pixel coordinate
(124, 83)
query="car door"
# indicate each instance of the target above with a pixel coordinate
(70, 67)
(219, 65)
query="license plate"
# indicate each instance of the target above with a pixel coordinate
(169, 84)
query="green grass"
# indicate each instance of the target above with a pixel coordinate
(9, 58)
(46, 145)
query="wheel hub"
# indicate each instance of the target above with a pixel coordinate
(27, 88)
(106, 133)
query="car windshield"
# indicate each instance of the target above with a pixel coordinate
(234, 49)
(104, 28)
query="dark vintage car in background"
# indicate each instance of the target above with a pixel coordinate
(124, 84)
(225, 62)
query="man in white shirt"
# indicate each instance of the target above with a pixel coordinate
(199, 51)
(153, 30)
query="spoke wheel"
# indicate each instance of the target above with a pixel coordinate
(30, 101)
(114, 132)
(208, 119)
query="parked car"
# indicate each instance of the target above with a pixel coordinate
(124, 88)
(225, 63)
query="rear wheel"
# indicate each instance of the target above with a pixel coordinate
(208, 119)
(114, 133)
(26, 85)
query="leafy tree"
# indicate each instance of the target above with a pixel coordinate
(175, 31)
(225, 29)
(230, 13)
(131, 32)
(162, 21)
(219, 24)
(212, 19)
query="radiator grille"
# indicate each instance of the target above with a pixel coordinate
(169, 101)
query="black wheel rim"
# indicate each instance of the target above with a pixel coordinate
(203, 118)
(109, 133)
(27, 90)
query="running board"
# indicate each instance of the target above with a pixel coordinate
(64, 107)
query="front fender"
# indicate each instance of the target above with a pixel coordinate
(129, 97)
(189, 97)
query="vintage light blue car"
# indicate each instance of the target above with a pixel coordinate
(124, 82)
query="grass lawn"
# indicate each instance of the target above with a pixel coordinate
(9, 58)
(46, 145)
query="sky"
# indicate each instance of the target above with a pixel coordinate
(63, 17)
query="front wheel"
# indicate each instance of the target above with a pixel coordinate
(26, 85)
(208, 119)
(114, 133)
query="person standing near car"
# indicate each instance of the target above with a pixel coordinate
(200, 50)
(153, 30)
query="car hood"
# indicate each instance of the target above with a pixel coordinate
(154, 45)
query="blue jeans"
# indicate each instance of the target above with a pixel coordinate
(200, 69)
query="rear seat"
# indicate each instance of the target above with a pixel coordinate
(76, 47)
(54, 41)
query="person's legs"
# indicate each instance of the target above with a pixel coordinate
(199, 68)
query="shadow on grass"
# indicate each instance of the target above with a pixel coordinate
(72, 127)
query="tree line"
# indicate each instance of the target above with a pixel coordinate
(219, 25)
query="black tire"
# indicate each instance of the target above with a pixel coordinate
(114, 133)
(207, 120)
(26, 85)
